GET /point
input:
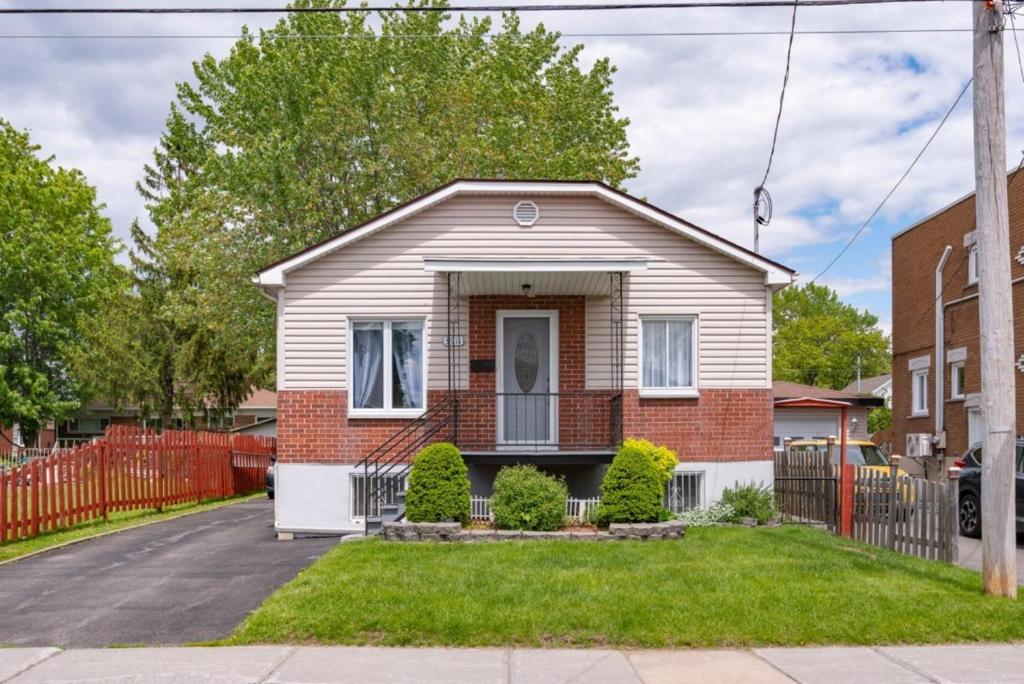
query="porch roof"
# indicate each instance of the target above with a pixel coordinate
(569, 276)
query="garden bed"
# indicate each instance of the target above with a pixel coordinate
(455, 532)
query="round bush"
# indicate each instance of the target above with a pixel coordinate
(664, 458)
(526, 499)
(438, 486)
(633, 489)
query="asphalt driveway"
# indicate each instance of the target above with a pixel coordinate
(184, 580)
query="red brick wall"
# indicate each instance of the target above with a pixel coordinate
(720, 425)
(914, 257)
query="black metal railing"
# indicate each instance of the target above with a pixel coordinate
(581, 420)
(393, 459)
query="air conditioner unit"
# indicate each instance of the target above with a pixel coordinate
(919, 445)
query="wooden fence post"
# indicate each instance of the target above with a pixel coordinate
(104, 454)
(890, 537)
(953, 548)
(847, 477)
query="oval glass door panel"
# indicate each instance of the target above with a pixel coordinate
(526, 361)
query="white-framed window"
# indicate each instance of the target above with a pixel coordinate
(919, 392)
(668, 356)
(972, 264)
(387, 368)
(685, 491)
(957, 384)
(975, 426)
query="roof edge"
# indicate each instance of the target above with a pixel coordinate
(272, 275)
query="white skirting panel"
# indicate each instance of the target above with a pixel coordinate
(314, 497)
(719, 475)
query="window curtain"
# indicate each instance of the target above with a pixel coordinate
(680, 353)
(407, 366)
(668, 353)
(368, 365)
(655, 372)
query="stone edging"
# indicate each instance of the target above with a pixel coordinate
(454, 532)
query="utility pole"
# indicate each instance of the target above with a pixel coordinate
(998, 543)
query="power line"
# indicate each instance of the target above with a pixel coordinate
(782, 99)
(434, 36)
(898, 183)
(417, 9)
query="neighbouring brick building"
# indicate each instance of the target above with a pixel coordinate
(925, 386)
(534, 322)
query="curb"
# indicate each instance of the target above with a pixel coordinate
(144, 523)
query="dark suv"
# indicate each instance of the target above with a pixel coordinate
(970, 490)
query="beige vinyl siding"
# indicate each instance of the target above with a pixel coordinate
(382, 276)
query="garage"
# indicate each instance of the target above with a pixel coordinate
(803, 422)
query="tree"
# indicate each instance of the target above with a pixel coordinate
(56, 270)
(297, 139)
(818, 338)
(879, 419)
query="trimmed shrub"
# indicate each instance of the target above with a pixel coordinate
(438, 486)
(633, 489)
(526, 499)
(664, 458)
(750, 501)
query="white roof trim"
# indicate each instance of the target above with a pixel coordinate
(274, 276)
(471, 265)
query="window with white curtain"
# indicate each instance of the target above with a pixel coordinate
(668, 355)
(387, 370)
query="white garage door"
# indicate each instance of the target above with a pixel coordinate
(805, 424)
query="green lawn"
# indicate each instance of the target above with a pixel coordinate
(118, 521)
(718, 587)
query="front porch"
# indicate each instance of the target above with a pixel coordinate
(535, 357)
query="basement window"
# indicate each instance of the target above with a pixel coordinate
(685, 491)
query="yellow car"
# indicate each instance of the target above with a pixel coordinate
(859, 452)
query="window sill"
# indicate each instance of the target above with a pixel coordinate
(962, 397)
(380, 413)
(923, 414)
(669, 392)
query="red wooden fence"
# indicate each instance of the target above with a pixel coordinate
(129, 469)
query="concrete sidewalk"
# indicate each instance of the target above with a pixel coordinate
(899, 665)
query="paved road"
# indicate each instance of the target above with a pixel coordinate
(184, 580)
(970, 555)
(980, 664)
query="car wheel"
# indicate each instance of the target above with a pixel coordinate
(970, 515)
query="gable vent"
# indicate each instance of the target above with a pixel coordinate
(525, 213)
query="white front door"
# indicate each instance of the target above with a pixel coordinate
(527, 378)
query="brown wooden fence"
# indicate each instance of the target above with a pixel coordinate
(807, 487)
(128, 469)
(906, 514)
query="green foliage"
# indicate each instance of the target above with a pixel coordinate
(715, 514)
(56, 270)
(438, 486)
(817, 338)
(633, 489)
(879, 419)
(664, 458)
(526, 499)
(750, 501)
(285, 142)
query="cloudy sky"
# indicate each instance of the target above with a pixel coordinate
(858, 109)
